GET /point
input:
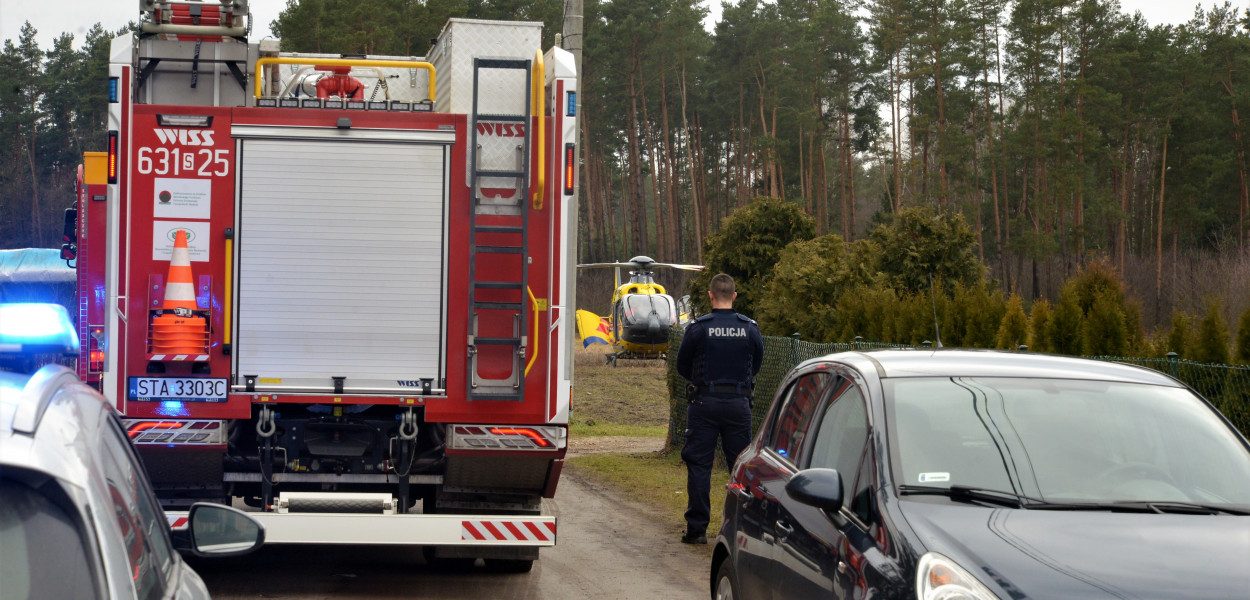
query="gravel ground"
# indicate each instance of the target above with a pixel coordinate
(579, 446)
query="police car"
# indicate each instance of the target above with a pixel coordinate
(77, 516)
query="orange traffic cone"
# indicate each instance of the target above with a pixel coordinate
(178, 332)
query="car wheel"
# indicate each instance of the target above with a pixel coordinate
(726, 582)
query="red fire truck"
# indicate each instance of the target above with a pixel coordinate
(338, 288)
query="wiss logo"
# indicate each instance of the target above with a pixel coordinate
(185, 137)
(501, 129)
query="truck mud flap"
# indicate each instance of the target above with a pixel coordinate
(405, 529)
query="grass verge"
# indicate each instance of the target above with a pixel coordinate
(654, 479)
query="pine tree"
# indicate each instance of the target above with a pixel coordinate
(1180, 337)
(1039, 327)
(1213, 338)
(1066, 327)
(1243, 338)
(1105, 332)
(1014, 329)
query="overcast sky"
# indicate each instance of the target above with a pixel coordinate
(53, 17)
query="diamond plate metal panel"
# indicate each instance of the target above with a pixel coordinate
(452, 56)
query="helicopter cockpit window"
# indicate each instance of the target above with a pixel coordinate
(639, 307)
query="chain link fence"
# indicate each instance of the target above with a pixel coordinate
(1225, 386)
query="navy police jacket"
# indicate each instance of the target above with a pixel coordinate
(720, 354)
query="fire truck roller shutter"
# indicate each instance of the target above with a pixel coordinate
(341, 268)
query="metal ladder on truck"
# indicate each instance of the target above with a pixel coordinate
(498, 229)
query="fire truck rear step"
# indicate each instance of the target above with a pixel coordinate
(483, 531)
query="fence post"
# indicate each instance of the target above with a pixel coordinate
(1172, 356)
(794, 349)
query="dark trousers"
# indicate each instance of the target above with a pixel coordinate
(706, 419)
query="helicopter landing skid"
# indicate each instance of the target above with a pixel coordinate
(612, 357)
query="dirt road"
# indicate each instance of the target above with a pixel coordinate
(606, 549)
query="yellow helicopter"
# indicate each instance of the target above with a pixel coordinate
(642, 311)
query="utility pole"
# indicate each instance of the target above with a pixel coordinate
(571, 40)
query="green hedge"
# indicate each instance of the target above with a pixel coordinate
(1225, 386)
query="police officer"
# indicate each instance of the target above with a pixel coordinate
(720, 354)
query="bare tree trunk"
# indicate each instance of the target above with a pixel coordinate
(1163, 174)
(36, 203)
(989, 138)
(637, 213)
(896, 117)
(1243, 203)
(652, 149)
(941, 98)
(1126, 183)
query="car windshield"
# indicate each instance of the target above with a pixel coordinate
(1065, 440)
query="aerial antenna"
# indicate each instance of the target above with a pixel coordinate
(933, 299)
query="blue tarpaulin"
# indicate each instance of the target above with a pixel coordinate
(34, 265)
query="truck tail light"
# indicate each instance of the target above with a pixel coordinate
(507, 437)
(569, 155)
(112, 166)
(196, 432)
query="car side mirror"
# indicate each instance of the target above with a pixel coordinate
(821, 488)
(218, 531)
(69, 235)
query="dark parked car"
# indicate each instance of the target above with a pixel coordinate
(982, 475)
(77, 516)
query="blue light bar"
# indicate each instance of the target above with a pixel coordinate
(113, 90)
(572, 104)
(31, 328)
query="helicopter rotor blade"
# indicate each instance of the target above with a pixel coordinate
(605, 265)
(677, 266)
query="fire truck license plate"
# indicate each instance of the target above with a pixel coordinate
(185, 389)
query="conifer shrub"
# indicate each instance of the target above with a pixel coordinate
(1242, 357)
(1105, 332)
(988, 304)
(810, 277)
(913, 319)
(1013, 329)
(1136, 342)
(920, 242)
(1065, 329)
(1179, 338)
(858, 313)
(1039, 326)
(748, 247)
(1212, 340)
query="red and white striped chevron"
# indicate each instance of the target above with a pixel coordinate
(504, 530)
(187, 357)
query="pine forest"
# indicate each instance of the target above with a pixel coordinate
(1064, 131)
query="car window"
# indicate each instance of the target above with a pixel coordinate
(43, 551)
(841, 437)
(141, 521)
(865, 483)
(795, 414)
(1070, 440)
